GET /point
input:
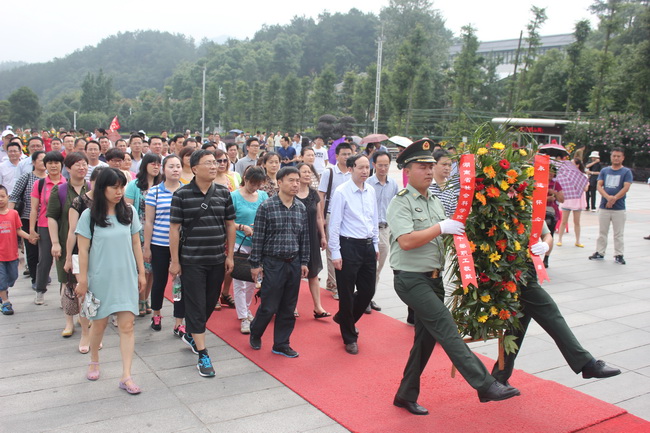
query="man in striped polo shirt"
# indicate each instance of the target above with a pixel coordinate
(201, 259)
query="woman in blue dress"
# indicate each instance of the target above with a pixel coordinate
(111, 267)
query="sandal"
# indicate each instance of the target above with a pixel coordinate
(296, 314)
(228, 300)
(143, 308)
(148, 307)
(218, 306)
(92, 374)
(132, 389)
(321, 315)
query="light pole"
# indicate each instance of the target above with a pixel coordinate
(380, 46)
(203, 107)
(74, 121)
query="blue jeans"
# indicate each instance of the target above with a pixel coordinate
(8, 274)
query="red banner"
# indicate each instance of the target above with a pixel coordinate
(467, 171)
(115, 124)
(539, 211)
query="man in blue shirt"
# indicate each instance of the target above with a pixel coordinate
(287, 153)
(385, 189)
(613, 184)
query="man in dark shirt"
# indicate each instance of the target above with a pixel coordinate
(279, 254)
(288, 155)
(202, 253)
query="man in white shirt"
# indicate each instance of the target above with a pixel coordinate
(25, 165)
(135, 144)
(338, 174)
(354, 242)
(92, 152)
(321, 155)
(156, 145)
(9, 167)
(220, 144)
(297, 143)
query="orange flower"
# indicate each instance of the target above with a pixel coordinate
(521, 229)
(491, 231)
(493, 191)
(512, 176)
(504, 315)
(515, 220)
(502, 244)
(472, 246)
(480, 197)
(489, 172)
(510, 286)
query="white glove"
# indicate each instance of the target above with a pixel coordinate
(540, 248)
(451, 227)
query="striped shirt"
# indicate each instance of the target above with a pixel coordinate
(448, 194)
(160, 198)
(207, 241)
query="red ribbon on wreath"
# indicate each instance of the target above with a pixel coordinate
(467, 171)
(540, 191)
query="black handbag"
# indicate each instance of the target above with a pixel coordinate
(242, 268)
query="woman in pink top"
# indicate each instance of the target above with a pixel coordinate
(37, 219)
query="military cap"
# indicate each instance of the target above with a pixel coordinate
(419, 151)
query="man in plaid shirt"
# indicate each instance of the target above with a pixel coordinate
(279, 254)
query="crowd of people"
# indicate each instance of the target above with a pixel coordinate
(231, 220)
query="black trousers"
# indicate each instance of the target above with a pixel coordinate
(160, 257)
(201, 290)
(591, 197)
(279, 296)
(31, 253)
(537, 304)
(359, 270)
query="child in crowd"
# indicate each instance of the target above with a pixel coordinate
(10, 227)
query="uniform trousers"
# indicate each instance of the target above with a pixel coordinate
(279, 296)
(384, 250)
(434, 323)
(359, 270)
(537, 304)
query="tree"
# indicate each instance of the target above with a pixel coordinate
(24, 106)
(290, 92)
(325, 125)
(574, 54)
(323, 98)
(5, 112)
(534, 41)
(467, 71)
(57, 120)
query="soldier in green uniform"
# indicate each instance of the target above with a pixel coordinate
(416, 219)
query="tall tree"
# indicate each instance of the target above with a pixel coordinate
(323, 100)
(290, 92)
(534, 41)
(574, 53)
(467, 71)
(25, 107)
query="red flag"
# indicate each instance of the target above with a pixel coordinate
(115, 124)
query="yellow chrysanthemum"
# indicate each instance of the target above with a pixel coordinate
(499, 146)
(522, 152)
(495, 257)
(530, 171)
(482, 151)
(485, 248)
(506, 226)
(482, 318)
(465, 290)
(486, 298)
(517, 246)
(515, 296)
(494, 311)
(504, 185)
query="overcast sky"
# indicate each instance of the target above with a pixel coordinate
(39, 30)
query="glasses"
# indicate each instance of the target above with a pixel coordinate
(222, 161)
(212, 163)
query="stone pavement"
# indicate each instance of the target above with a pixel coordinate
(43, 385)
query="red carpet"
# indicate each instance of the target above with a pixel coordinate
(357, 391)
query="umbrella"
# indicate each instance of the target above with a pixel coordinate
(331, 152)
(573, 181)
(374, 138)
(400, 141)
(236, 131)
(356, 139)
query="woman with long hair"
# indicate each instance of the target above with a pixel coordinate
(187, 174)
(317, 240)
(21, 196)
(136, 192)
(576, 206)
(246, 200)
(112, 268)
(270, 162)
(156, 241)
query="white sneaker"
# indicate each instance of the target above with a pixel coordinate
(40, 298)
(250, 316)
(245, 326)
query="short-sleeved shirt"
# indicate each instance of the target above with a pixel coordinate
(9, 174)
(43, 198)
(243, 164)
(288, 153)
(59, 211)
(92, 168)
(320, 162)
(9, 225)
(245, 211)
(448, 195)
(613, 183)
(207, 240)
(410, 211)
(160, 198)
(384, 194)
